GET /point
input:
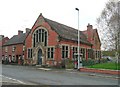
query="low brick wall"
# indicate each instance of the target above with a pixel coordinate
(105, 71)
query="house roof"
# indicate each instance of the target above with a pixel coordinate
(67, 32)
(16, 39)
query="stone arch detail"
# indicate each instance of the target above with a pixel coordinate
(35, 54)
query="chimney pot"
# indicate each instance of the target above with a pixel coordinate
(27, 30)
(89, 26)
(20, 32)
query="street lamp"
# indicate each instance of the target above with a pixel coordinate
(78, 41)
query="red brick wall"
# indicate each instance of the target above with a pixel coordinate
(72, 43)
(52, 39)
(18, 51)
(3, 41)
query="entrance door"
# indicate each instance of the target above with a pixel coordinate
(40, 57)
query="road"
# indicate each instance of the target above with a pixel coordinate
(34, 76)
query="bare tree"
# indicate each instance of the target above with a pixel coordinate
(109, 25)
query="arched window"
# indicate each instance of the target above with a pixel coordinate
(40, 35)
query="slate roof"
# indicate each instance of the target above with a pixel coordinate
(67, 32)
(16, 39)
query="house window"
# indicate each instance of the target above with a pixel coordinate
(13, 48)
(50, 53)
(6, 49)
(29, 53)
(64, 51)
(74, 52)
(40, 36)
(83, 52)
(23, 48)
(90, 55)
(96, 54)
(13, 58)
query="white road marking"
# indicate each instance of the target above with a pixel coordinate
(44, 69)
(13, 79)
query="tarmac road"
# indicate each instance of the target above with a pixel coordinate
(26, 75)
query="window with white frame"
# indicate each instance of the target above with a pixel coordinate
(50, 52)
(40, 35)
(13, 58)
(13, 48)
(29, 53)
(83, 52)
(6, 49)
(23, 48)
(74, 52)
(65, 51)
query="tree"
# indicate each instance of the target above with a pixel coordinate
(109, 26)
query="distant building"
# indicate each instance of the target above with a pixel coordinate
(14, 48)
(50, 42)
(3, 40)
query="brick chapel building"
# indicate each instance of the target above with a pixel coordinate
(50, 42)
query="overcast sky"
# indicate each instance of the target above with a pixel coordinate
(20, 14)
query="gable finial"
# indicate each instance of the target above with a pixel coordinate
(88, 24)
(40, 14)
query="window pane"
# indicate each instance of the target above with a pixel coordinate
(66, 47)
(36, 37)
(42, 37)
(63, 47)
(39, 36)
(28, 53)
(34, 40)
(45, 38)
(63, 54)
(52, 49)
(48, 49)
(31, 53)
(52, 54)
(66, 54)
(48, 54)
(73, 48)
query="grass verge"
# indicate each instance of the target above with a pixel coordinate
(110, 65)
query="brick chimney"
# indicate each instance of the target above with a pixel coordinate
(89, 27)
(20, 32)
(1, 37)
(27, 30)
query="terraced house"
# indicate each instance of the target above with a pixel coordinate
(13, 49)
(3, 40)
(49, 42)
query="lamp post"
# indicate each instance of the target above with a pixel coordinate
(78, 39)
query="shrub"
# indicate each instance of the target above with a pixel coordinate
(103, 60)
(88, 62)
(69, 64)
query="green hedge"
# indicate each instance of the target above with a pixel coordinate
(89, 62)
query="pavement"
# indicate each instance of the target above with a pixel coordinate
(85, 73)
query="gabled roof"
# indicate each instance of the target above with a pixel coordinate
(94, 31)
(67, 32)
(16, 39)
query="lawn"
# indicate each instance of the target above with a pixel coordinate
(110, 65)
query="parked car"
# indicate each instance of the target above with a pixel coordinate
(109, 58)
